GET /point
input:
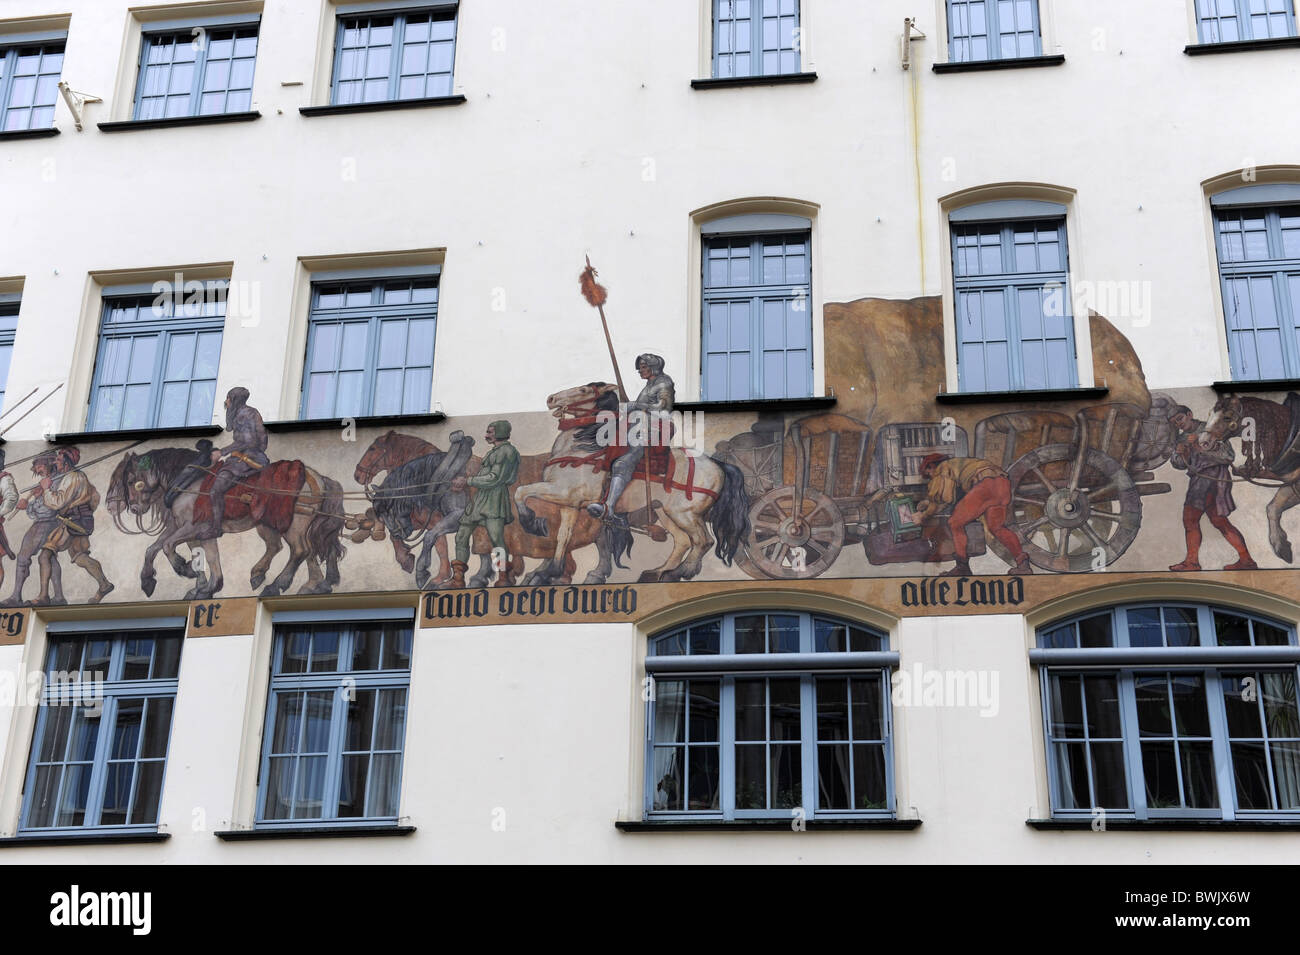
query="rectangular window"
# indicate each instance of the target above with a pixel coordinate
(370, 348)
(100, 747)
(335, 723)
(742, 745)
(993, 30)
(757, 320)
(1014, 327)
(157, 361)
(1217, 739)
(755, 37)
(394, 56)
(1259, 266)
(197, 71)
(8, 328)
(29, 84)
(1227, 21)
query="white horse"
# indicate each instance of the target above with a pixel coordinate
(703, 493)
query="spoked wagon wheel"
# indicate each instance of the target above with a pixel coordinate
(1074, 514)
(792, 535)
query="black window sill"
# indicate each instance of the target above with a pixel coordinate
(766, 825)
(28, 133)
(1010, 63)
(1259, 384)
(311, 832)
(424, 101)
(132, 434)
(207, 120)
(730, 82)
(1166, 825)
(83, 839)
(365, 421)
(1241, 46)
(1042, 394)
(758, 404)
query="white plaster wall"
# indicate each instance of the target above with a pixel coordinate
(538, 728)
(547, 162)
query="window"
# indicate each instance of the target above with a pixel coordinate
(1226, 21)
(335, 723)
(993, 30)
(757, 318)
(1259, 269)
(157, 361)
(8, 327)
(754, 715)
(394, 56)
(1014, 327)
(100, 748)
(370, 348)
(196, 71)
(1166, 710)
(29, 83)
(755, 37)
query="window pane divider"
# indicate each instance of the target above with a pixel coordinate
(721, 664)
(1165, 658)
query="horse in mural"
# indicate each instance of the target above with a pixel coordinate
(1270, 441)
(697, 493)
(393, 451)
(286, 502)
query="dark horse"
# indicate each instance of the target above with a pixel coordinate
(1270, 437)
(418, 500)
(291, 503)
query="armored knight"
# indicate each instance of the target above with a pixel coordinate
(647, 424)
(242, 457)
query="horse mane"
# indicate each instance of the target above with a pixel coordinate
(586, 438)
(405, 486)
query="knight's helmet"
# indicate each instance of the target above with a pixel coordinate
(653, 362)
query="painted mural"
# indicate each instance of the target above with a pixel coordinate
(605, 485)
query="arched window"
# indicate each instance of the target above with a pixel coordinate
(1171, 710)
(763, 715)
(1257, 235)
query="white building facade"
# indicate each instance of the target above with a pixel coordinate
(1047, 253)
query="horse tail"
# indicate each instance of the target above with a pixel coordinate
(729, 515)
(615, 540)
(323, 532)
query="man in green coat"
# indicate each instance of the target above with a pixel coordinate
(490, 506)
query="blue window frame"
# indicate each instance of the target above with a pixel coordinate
(1259, 269)
(756, 715)
(1014, 324)
(370, 348)
(336, 723)
(8, 329)
(1226, 21)
(1170, 709)
(403, 54)
(757, 318)
(196, 71)
(157, 361)
(755, 37)
(993, 30)
(29, 83)
(99, 753)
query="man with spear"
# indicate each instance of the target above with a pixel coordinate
(647, 416)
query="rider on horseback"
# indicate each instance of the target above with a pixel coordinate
(647, 424)
(243, 457)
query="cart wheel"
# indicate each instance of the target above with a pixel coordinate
(1071, 525)
(786, 545)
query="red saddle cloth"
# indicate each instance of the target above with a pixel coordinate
(267, 496)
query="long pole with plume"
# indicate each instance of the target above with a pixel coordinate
(596, 296)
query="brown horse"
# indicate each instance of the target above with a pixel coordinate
(1266, 429)
(392, 450)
